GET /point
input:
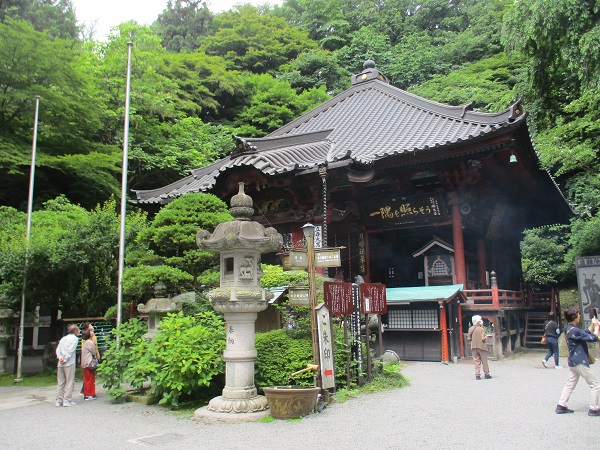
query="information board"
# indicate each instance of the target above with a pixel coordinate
(372, 298)
(338, 297)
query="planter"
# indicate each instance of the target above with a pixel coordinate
(291, 402)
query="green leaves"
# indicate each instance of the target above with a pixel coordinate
(181, 361)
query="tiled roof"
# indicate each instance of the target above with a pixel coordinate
(369, 121)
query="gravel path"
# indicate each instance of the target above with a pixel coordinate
(444, 407)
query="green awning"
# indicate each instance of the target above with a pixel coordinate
(424, 294)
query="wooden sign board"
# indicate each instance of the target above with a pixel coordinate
(298, 259)
(298, 296)
(326, 365)
(338, 297)
(396, 211)
(372, 298)
(328, 257)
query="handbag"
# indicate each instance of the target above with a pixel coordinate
(93, 364)
(543, 340)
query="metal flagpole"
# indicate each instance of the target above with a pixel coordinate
(124, 187)
(19, 375)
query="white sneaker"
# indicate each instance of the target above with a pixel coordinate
(544, 363)
(67, 404)
(558, 367)
(58, 403)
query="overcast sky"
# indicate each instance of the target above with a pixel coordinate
(110, 13)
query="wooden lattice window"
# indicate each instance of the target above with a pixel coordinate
(416, 318)
(439, 268)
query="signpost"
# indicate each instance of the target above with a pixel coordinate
(326, 347)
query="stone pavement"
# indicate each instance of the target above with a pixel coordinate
(444, 407)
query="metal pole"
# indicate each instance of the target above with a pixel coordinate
(124, 187)
(19, 374)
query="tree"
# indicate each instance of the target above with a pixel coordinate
(560, 40)
(314, 69)
(69, 117)
(172, 232)
(206, 85)
(69, 244)
(255, 42)
(182, 24)
(56, 18)
(489, 83)
(273, 104)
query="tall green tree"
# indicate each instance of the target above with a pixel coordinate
(56, 18)
(182, 24)
(273, 104)
(172, 233)
(255, 42)
(69, 118)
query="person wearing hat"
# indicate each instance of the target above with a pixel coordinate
(479, 349)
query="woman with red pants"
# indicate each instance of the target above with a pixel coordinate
(88, 353)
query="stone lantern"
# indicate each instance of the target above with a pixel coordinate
(6, 316)
(239, 297)
(157, 308)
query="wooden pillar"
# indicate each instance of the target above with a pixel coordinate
(462, 337)
(459, 243)
(498, 348)
(481, 263)
(495, 293)
(444, 328)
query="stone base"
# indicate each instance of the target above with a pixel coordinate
(210, 417)
(227, 405)
(144, 399)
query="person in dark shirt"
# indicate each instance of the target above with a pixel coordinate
(579, 361)
(552, 333)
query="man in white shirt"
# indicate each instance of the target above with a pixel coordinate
(65, 374)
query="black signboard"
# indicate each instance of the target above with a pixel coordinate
(372, 298)
(400, 210)
(338, 298)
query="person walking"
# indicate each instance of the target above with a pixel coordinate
(579, 361)
(552, 333)
(479, 349)
(88, 354)
(65, 373)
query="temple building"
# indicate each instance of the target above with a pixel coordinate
(418, 194)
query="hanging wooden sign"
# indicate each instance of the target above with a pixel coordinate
(328, 257)
(298, 259)
(298, 296)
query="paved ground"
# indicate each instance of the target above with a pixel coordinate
(444, 407)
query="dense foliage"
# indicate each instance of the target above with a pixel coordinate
(199, 77)
(180, 363)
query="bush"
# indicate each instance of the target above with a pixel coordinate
(281, 353)
(180, 362)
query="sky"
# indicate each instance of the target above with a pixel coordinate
(110, 13)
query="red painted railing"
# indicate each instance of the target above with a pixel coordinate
(497, 298)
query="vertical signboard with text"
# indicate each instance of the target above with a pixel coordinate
(588, 282)
(325, 347)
